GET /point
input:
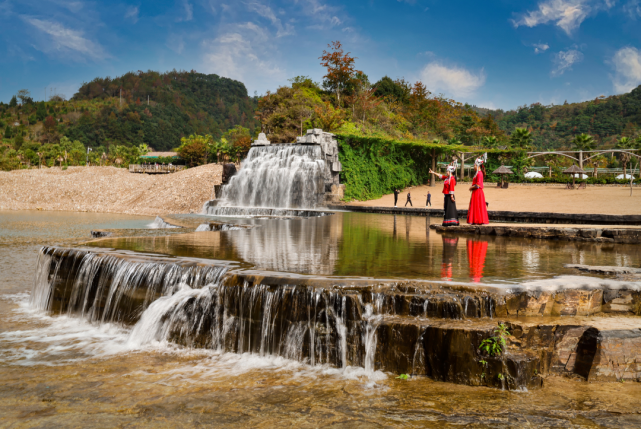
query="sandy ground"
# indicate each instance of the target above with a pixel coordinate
(613, 200)
(108, 190)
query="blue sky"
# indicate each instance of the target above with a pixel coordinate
(497, 54)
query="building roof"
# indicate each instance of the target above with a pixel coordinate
(161, 155)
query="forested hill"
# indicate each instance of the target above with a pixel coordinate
(553, 127)
(156, 109)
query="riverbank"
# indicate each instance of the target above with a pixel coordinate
(610, 200)
(108, 190)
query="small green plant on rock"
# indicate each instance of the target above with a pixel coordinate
(495, 345)
(403, 377)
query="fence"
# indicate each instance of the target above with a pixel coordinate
(155, 168)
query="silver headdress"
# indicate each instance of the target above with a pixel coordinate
(452, 167)
(481, 159)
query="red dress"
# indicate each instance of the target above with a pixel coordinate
(476, 251)
(477, 214)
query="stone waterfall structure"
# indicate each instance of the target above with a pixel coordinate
(404, 327)
(299, 176)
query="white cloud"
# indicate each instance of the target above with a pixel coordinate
(244, 52)
(539, 48)
(267, 12)
(452, 81)
(132, 13)
(566, 14)
(633, 9)
(63, 40)
(627, 68)
(189, 11)
(487, 105)
(564, 60)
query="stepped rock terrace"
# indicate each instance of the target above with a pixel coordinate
(417, 327)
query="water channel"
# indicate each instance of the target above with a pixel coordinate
(69, 370)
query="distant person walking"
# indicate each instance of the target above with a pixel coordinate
(429, 199)
(396, 192)
(477, 213)
(409, 200)
(450, 217)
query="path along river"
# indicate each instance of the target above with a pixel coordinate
(65, 372)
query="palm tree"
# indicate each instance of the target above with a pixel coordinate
(490, 141)
(521, 138)
(583, 142)
(624, 143)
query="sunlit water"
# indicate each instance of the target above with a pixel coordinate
(66, 372)
(381, 246)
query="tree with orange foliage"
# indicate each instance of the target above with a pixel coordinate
(329, 118)
(340, 69)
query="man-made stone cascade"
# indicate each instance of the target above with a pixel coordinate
(214, 209)
(278, 176)
(423, 328)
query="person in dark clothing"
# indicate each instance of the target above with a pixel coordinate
(409, 200)
(396, 192)
(429, 199)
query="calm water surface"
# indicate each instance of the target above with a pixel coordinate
(381, 246)
(65, 372)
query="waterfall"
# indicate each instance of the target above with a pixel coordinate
(198, 304)
(159, 223)
(278, 176)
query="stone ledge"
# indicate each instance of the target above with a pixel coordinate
(504, 216)
(598, 235)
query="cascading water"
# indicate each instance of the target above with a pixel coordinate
(203, 305)
(278, 176)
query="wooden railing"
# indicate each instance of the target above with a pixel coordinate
(155, 168)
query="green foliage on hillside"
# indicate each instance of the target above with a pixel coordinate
(180, 104)
(554, 127)
(156, 110)
(374, 166)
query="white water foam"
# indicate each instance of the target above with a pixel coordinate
(63, 340)
(158, 223)
(579, 282)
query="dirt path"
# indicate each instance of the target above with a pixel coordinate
(108, 190)
(552, 198)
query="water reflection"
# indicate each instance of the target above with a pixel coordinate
(449, 251)
(382, 246)
(476, 253)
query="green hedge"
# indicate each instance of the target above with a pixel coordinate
(374, 166)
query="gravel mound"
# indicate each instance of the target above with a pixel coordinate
(108, 190)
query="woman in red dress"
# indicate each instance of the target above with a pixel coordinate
(477, 214)
(450, 215)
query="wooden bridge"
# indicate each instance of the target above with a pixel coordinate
(155, 168)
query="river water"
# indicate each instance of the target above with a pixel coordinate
(66, 372)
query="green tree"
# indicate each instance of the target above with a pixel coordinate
(194, 148)
(521, 138)
(41, 111)
(239, 138)
(25, 96)
(583, 142)
(13, 102)
(396, 90)
(490, 142)
(624, 143)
